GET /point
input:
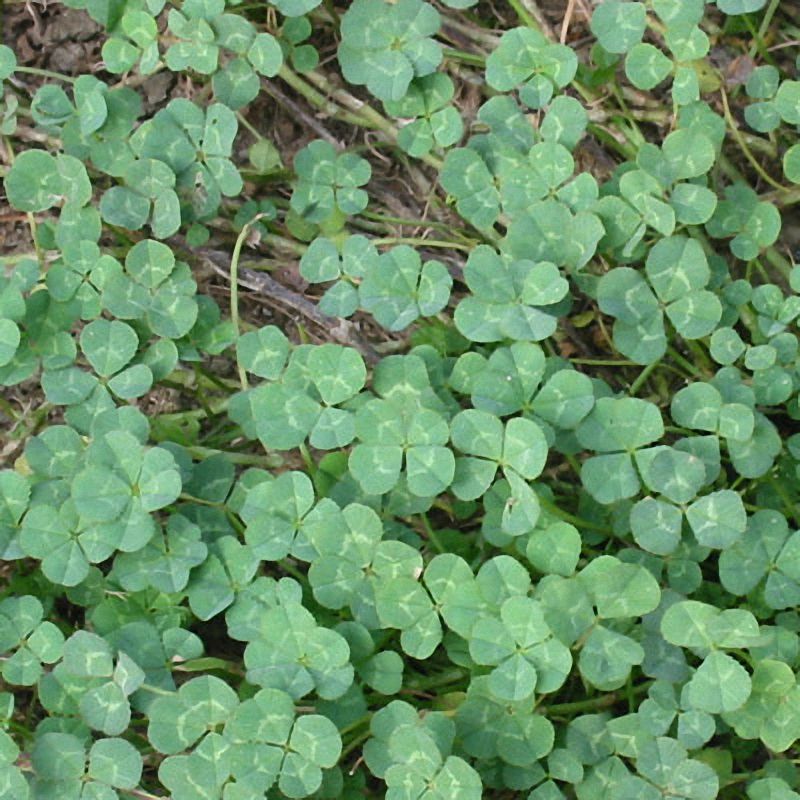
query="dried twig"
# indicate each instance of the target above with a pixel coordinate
(341, 330)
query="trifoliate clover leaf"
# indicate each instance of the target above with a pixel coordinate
(550, 231)
(772, 711)
(229, 565)
(167, 559)
(765, 549)
(328, 182)
(625, 424)
(607, 657)
(753, 224)
(526, 59)
(302, 403)
(491, 728)
(268, 743)
(353, 560)
(147, 196)
(664, 762)
(197, 46)
(429, 775)
(398, 288)
(326, 260)
(396, 436)
(178, 720)
(430, 120)
(275, 513)
(245, 616)
(516, 646)
(519, 447)
(509, 298)
(394, 716)
(404, 604)
(196, 145)
(153, 287)
(134, 40)
(385, 46)
(37, 181)
(466, 176)
(296, 655)
(26, 641)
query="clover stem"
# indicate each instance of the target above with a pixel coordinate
(360, 739)
(45, 73)
(789, 505)
(141, 795)
(642, 377)
(524, 15)
(462, 55)
(687, 365)
(442, 679)
(588, 705)
(292, 570)
(422, 242)
(758, 39)
(247, 124)
(578, 522)
(147, 687)
(737, 135)
(432, 535)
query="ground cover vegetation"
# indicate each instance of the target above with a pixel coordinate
(400, 399)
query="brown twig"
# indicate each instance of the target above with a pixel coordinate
(341, 330)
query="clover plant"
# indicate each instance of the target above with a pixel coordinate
(402, 402)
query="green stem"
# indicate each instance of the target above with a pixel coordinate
(246, 123)
(359, 740)
(687, 365)
(462, 55)
(737, 135)
(642, 377)
(434, 681)
(578, 522)
(45, 73)
(146, 687)
(524, 15)
(421, 242)
(758, 41)
(433, 537)
(588, 705)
